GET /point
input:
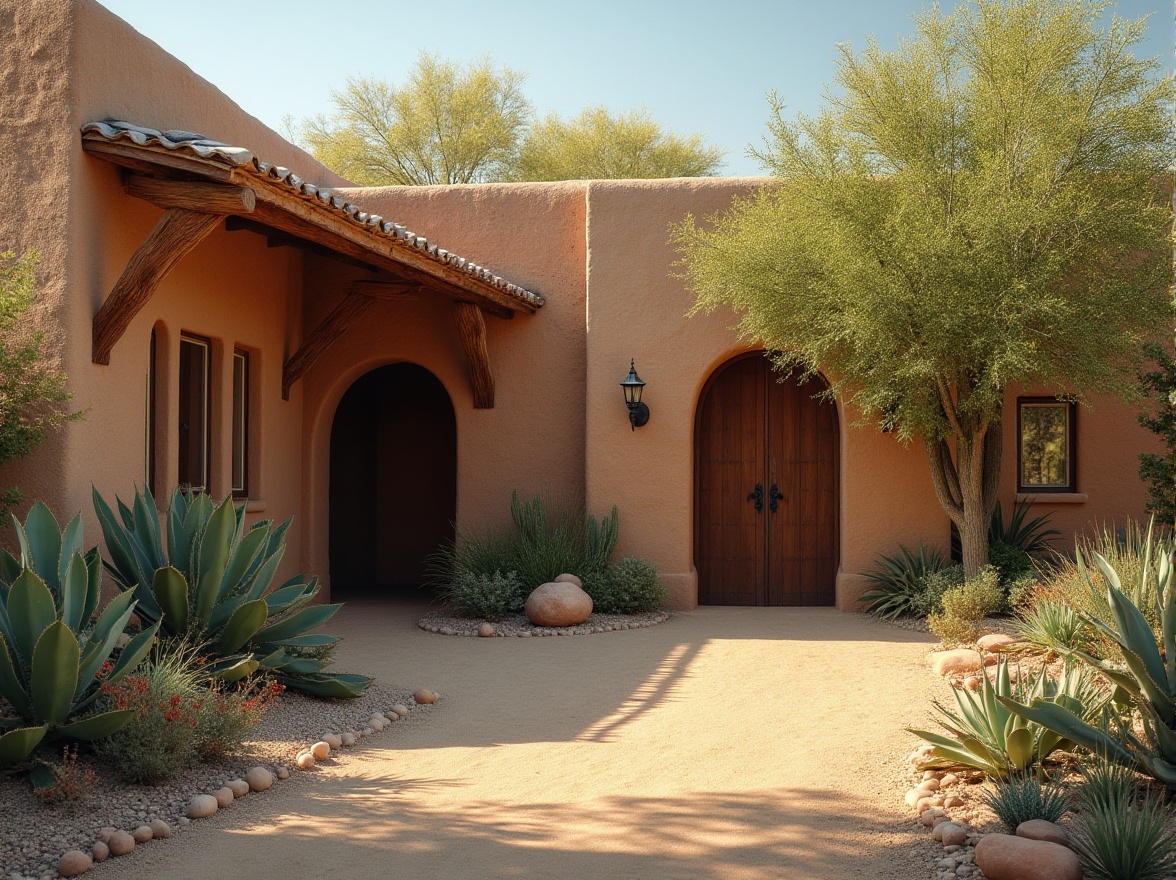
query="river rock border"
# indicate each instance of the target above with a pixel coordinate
(517, 626)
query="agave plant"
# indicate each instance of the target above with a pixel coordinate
(901, 581)
(984, 734)
(50, 655)
(1146, 674)
(212, 583)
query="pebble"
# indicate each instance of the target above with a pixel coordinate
(426, 697)
(348, 739)
(283, 772)
(953, 835)
(321, 750)
(305, 761)
(104, 834)
(203, 805)
(948, 779)
(74, 862)
(224, 797)
(121, 843)
(239, 787)
(332, 739)
(260, 778)
(160, 830)
(142, 834)
(400, 709)
(100, 851)
(486, 630)
(391, 716)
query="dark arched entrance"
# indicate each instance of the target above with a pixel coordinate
(766, 489)
(393, 483)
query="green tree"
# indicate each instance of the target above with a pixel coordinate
(448, 124)
(979, 208)
(1159, 471)
(33, 392)
(596, 145)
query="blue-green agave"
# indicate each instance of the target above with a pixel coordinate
(50, 653)
(212, 583)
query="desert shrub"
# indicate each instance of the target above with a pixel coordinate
(226, 713)
(489, 596)
(935, 584)
(629, 586)
(1121, 833)
(1022, 797)
(1011, 562)
(900, 582)
(1053, 627)
(965, 607)
(66, 782)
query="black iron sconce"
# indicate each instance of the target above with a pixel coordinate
(632, 386)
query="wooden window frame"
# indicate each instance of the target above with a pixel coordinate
(240, 410)
(1071, 448)
(206, 343)
(149, 456)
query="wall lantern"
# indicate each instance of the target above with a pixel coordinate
(632, 386)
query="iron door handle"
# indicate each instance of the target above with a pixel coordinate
(758, 497)
(774, 496)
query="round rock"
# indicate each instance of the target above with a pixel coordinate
(332, 739)
(121, 843)
(160, 830)
(425, 696)
(224, 796)
(1040, 829)
(566, 578)
(961, 660)
(100, 851)
(953, 835)
(1005, 857)
(321, 750)
(74, 862)
(104, 834)
(203, 805)
(558, 604)
(142, 834)
(400, 709)
(260, 778)
(305, 761)
(995, 643)
(486, 630)
(239, 787)
(283, 772)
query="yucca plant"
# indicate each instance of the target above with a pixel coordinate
(1022, 797)
(51, 656)
(1052, 627)
(1146, 674)
(212, 584)
(984, 734)
(900, 581)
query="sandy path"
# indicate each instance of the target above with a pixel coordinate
(728, 743)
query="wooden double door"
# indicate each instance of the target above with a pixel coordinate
(766, 489)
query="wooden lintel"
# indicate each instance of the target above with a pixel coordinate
(175, 233)
(471, 327)
(208, 198)
(322, 337)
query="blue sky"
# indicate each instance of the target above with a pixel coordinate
(696, 66)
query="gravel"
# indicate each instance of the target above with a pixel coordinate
(33, 836)
(518, 626)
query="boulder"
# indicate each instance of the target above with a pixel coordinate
(203, 805)
(994, 643)
(960, 660)
(224, 797)
(1040, 829)
(160, 830)
(100, 851)
(569, 579)
(142, 834)
(74, 862)
(239, 787)
(260, 778)
(1006, 857)
(121, 843)
(558, 604)
(425, 697)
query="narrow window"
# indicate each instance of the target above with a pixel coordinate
(1045, 445)
(149, 433)
(195, 412)
(240, 424)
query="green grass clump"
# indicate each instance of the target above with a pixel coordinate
(629, 586)
(1052, 627)
(1023, 797)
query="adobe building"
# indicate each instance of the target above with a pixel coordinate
(381, 363)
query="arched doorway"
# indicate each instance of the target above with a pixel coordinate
(766, 489)
(393, 484)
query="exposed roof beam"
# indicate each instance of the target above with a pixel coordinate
(471, 327)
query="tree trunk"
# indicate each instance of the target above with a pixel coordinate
(966, 484)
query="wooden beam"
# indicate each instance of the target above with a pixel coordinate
(175, 233)
(135, 157)
(308, 219)
(390, 290)
(209, 198)
(471, 326)
(275, 239)
(322, 337)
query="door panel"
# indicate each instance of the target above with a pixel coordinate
(754, 429)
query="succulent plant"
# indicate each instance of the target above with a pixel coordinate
(50, 655)
(213, 583)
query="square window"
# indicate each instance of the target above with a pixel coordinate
(1045, 445)
(195, 412)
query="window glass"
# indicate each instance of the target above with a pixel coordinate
(194, 412)
(1045, 445)
(240, 422)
